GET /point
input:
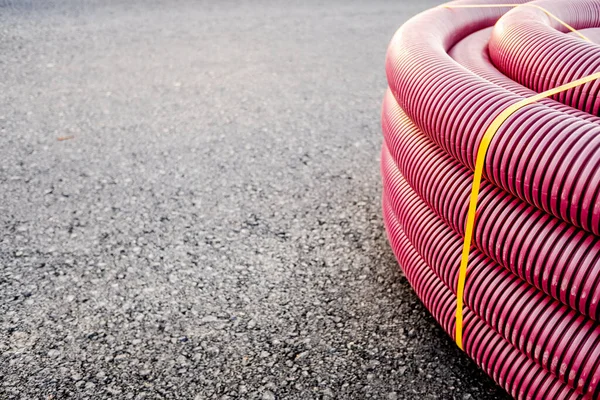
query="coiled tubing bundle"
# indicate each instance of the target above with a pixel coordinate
(532, 292)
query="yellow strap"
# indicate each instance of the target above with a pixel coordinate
(563, 23)
(479, 164)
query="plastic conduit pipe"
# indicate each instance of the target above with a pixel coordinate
(532, 292)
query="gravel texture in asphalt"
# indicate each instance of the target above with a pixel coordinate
(190, 206)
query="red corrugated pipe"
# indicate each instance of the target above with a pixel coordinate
(532, 292)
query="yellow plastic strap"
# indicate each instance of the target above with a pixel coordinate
(560, 21)
(479, 164)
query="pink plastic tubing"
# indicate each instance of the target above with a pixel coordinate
(533, 286)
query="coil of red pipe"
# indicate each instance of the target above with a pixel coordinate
(532, 294)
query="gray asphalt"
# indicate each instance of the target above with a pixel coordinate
(211, 229)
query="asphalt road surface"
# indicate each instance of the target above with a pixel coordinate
(190, 206)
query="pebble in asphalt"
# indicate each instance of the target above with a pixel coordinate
(211, 229)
